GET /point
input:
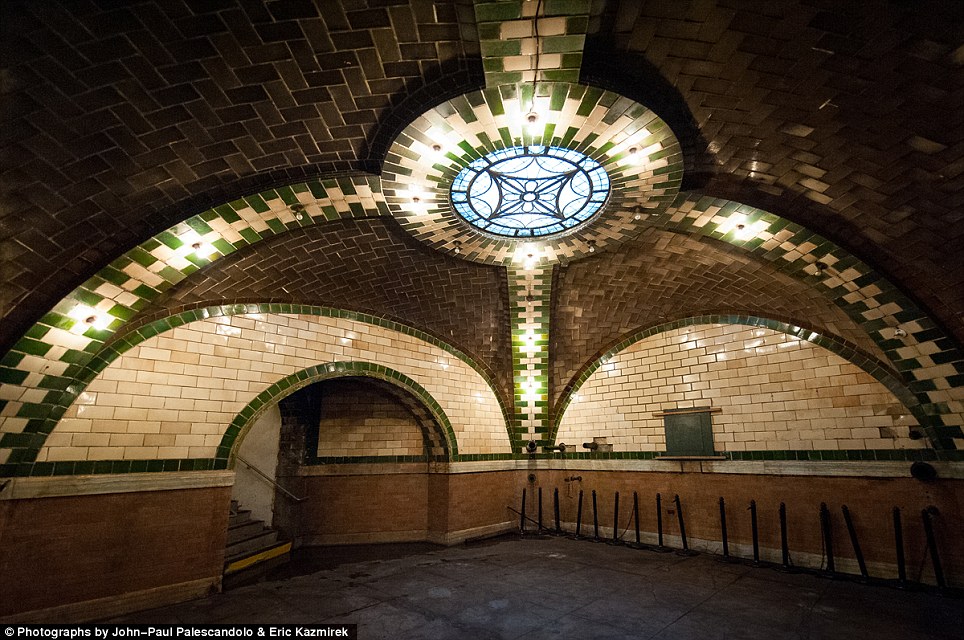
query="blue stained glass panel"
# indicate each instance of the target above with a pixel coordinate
(530, 191)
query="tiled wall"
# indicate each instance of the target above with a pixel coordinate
(173, 395)
(930, 361)
(776, 392)
(358, 420)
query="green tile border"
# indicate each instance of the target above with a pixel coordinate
(132, 281)
(808, 455)
(520, 292)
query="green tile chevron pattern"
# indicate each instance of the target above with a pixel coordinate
(931, 364)
(531, 62)
(530, 288)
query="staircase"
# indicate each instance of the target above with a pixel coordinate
(252, 549)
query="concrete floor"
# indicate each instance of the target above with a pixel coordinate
(558, 588)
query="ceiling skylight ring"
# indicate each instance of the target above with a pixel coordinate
(589, 144)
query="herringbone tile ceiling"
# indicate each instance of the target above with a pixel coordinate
(121, 118)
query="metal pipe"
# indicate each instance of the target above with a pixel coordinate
(679, 516)
(258, 471)
(636, 514)
(827, 535)
(726, 546)
(579, 516)
(539, 520)
(932, 545)
(616, 519)
(522, 516)
(756, 533)
(555, 499)
(659, 521)
(853, 541)
(899, 543)
(595, 518)
(784, 545)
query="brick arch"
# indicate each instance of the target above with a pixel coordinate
(436, 426)
(848, 352)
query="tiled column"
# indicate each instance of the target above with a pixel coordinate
(529, 294)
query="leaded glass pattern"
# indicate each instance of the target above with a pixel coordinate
(530, 191)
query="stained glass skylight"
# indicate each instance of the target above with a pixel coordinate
(530, 191)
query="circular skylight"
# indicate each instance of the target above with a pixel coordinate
(530, 191)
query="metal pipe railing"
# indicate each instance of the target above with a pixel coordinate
(755, 532)
(854, 542)
(726, 545)
(270, 480)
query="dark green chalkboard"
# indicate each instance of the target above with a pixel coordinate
(689, 434)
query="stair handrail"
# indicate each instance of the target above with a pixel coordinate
(271, 480)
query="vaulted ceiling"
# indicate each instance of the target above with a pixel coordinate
(120, 119)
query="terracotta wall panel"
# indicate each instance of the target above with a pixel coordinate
(60, 550)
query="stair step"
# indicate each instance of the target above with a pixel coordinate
(260, 540)
(241, 561)
(244, 530)
(237, 517)
(250, 568)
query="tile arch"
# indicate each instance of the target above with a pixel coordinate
(847, 351)
(248, 416)
(25, 447)
(930, 360)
